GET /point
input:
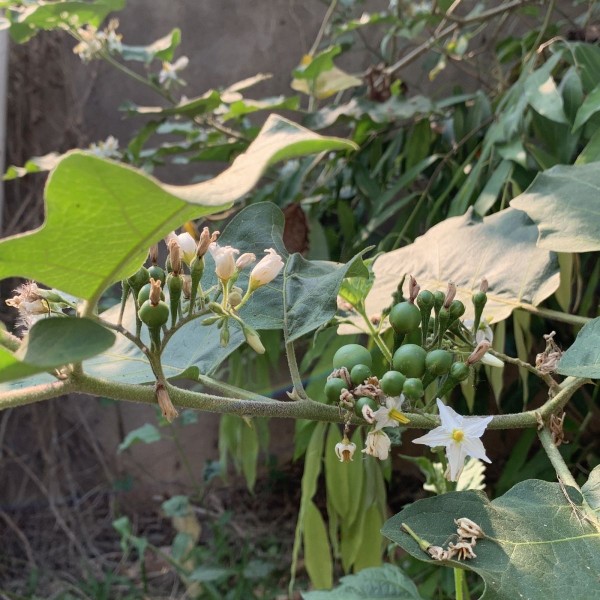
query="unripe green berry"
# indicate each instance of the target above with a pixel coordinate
(154, 316)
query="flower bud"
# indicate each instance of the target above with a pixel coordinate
(206, 239)
(224, 257)
(174, 255)
(244, 260)
(253, 339)
(266, 270)
(188, 247)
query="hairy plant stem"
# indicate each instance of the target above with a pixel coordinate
(260, 406)
(556, 458)
(299, 390)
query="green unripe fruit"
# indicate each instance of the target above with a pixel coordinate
(154, 316)
(459, 371)
(438, 362)
(351, 355)
(138, 279)
(359, 373)
(365, 401)
(456, 309)
(333, 389)
(157, 274)
(391, 383)
(144, 294)
(413, 388)
(479, 299)
(410, 360)
(425, 300)
(405, 317)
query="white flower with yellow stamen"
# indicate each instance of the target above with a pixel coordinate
(390, 415)
(460, 435)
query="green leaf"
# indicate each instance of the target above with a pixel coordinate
(239, 108)
(317, 553)
(177, 506)
(582, 359)
(541, 548)
(590, 106)
(591, 152)
(312, 67)
(102, 216)
(564, 203)
(37, 164)
(190, 108)
(591, 490)
(162, 49)
(148, 434)
(369, 553)
(208, 574)
(387, 582)
(464, 250)
(541, 92)
(59, 15)
(52, 343)
(394, 109)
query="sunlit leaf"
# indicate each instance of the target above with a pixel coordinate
(57, 15)
(103, 216)
(162, 49)
(564, 202)
(464, 250)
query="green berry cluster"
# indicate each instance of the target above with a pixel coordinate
(430, 346)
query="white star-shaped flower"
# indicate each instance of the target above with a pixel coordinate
(460, 435)
(390, 415)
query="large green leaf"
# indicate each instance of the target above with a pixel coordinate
(542, 548)
(387, 582)
(582, 359)
(465, 249)
(56, 15)
(52, 343)
(564, 202)
(102, 216)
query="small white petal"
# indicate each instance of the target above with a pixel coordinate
(475, 426)
(449, 417)
(492, 361)
(474, 447)
(437, 437)
(456, 459)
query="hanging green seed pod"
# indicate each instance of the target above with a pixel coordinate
(479, 300)
(443, 322)
(425, 303)
(458, 372)
(175, 285)
(196, 271)
(456, 310)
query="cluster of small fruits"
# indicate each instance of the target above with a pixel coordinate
(427, 348)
